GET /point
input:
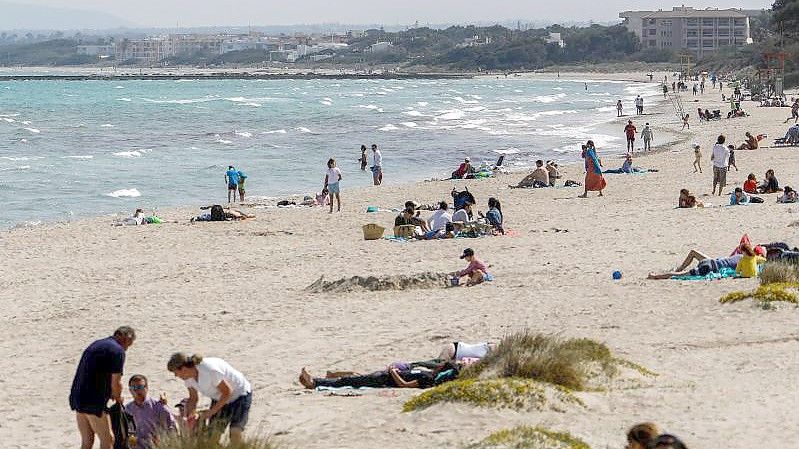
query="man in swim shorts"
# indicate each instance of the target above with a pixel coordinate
(232, 180)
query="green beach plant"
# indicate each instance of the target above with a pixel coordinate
(210, 440)
(779, 282)
(526, 437)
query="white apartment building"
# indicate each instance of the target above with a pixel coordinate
(101, 51)
(700, 31)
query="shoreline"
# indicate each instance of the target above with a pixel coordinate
(234, 76)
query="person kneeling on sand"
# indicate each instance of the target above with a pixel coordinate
(397, 375)
(688, 201)
(477, 270)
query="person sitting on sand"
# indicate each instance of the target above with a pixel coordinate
(538, 178)
(738, 197)
(789, 195)
(770, 185)
(323, 198)
(750, 185)
(494, 215)
(477, 270)
(463, 215)
(407, 218)
(792, 136)
(553, 171)
(463, 170)
(137, 219)
(151, 416)
(437, 223)
(750, 144)
(748, 265)
(397, 375)
(705, 266)
(641, 435)
(688, 201)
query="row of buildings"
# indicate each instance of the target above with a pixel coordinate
(154, 49)
(699, 31)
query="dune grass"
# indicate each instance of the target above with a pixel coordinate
(211, 440)
(528, 370)
(779, 282)
(525, 437)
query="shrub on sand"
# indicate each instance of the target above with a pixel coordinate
(779, 282)
(210, 440)
(779, 272)
(525, 437)
(513, 393)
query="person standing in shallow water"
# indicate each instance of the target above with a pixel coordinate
(594, 181)
(363, 160)
(232, 180)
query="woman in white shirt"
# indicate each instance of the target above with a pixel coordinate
(229, 390)
(332, 179)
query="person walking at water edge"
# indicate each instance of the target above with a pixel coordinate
(332, 179)
(639, 105)
(619, 108)
(363, 160)
(98, 378)
(630, 132)
(377, 167)
(594, 181)
(229, 390)
(242, 190)
(720, 158)
(646, 135)
(232, 180)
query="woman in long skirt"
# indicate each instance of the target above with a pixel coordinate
(594, 181)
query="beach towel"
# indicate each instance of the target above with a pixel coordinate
(721, 274)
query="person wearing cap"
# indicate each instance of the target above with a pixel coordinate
(463, 170)
(98, 378)
(477, 270)
(229, 390)
(697, 158)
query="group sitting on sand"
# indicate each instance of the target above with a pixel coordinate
(542, 176)
(442, 224)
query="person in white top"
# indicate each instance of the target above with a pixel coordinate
(462, 215)
(439, 220)
(377, 168)
(229, 390)
(332, 179)
(457, 351)
(720, 158)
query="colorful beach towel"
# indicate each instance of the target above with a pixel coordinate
(722, 274)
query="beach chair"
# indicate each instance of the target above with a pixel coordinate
(499, 163)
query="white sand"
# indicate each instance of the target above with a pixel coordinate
(235, 290)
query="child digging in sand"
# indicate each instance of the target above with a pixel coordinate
(477, 271)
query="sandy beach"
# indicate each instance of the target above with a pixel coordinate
(237, 290)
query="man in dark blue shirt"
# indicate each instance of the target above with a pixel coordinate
(98, 379)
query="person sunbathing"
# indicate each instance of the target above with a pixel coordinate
(458, 351)
(627, 167)
(688, 201)
(750, 144)
(397, 375)
(464, 170)
(748, 266)
(538, 178)
(706, 265)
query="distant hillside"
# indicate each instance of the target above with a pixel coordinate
(16, 16)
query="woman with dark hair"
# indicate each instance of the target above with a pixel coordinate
(641, 435)
(494, 215)
(667, 441)
(594, 181)
(229, 390)
(770, 185)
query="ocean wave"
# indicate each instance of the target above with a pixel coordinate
(78, 157)
(7, 120)
(224, 141)
(119, 87)
(107, 125)
(410, 124)
(462, 100)
(507, 151)
(33, 130)
(388, 127)
(277, 131)
(246, 99)
(303, 129)
(423, 103)
(132, 154)
(9, 115)
(549, 98)
(455, 114)
(186, 101)
(326, 103)
(475, 109)
(125, 99)
(124, 193)
(413, 113)
(243, 134)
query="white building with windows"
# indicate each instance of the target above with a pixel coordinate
(700, 31)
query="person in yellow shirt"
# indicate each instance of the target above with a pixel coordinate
(752, 257)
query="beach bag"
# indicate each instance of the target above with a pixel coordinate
(123, 427)
(217, 213)
(755, 199)
(373, 231)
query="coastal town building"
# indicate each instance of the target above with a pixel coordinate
(700, 31)
(101, 51)
(556, 38)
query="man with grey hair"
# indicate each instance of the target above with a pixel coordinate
(98, 379)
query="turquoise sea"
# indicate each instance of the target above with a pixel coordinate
(78, 148)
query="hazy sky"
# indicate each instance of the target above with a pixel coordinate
(283, 12)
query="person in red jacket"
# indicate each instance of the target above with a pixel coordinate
(630, 131)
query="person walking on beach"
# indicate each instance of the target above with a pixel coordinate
(332, 179)
(630, 132)
(229, 390)
(363, 160)
(720, 158)
(98, 378)
(731, 158)
(594, 181)
(794, 112)
(619, 108)
(646, 135)
(697, 158)
(639, 105)
(232, 181)
(377, 167)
